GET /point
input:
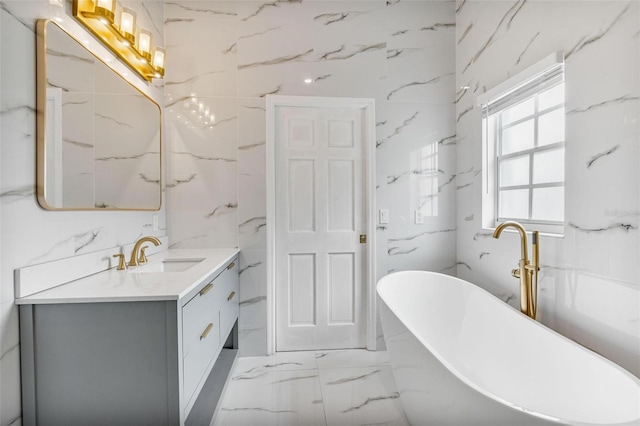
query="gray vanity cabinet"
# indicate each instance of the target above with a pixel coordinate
(124, 363)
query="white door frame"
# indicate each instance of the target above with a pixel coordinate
(369, 134)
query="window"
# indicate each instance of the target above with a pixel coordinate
(523, 148)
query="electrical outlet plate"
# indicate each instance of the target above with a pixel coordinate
(155, 222)
(419, 218)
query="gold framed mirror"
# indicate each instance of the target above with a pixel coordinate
(98, 137)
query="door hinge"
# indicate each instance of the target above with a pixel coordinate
(363, 239)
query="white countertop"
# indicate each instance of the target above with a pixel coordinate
(131, 286)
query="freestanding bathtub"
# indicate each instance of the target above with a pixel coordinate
(461, 356)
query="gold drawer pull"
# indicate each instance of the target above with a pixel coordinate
(231, 265)
(206, 289)
(206, 331)
(233, 293)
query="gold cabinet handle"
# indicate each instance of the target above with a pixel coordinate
(231, 265)
(206, 289)
(233, 293)
(206, 331)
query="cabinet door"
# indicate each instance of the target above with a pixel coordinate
(230, 301)
(200, 335)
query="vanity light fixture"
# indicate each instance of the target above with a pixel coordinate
(144, 43)
(99, 17)
(105, 9)
(128, 26)
(158, 61)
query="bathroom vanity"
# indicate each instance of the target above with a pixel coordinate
(130, 347)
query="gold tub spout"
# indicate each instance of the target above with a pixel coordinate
(137, 254)
(527, 273)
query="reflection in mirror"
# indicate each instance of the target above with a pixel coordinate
(98, 136)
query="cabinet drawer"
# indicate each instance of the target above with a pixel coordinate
(198, 313)
(230, 300)
(197, 360)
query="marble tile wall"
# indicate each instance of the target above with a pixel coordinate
(589, 288)
(28, 234)
(228, 56)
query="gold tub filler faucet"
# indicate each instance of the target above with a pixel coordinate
(526, 272)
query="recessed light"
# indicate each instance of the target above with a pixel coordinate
(308, 80)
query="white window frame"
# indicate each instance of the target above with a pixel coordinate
(538, 78)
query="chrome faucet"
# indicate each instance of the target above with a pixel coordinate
(137, 254)
(526, 272)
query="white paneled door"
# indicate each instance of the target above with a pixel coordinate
(320, 217)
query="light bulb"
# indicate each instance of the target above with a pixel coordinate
(144, 43)
(158, 60)
(128, 24)
(105, 9)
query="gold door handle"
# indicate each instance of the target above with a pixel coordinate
(206, 289)
(233, 293)
(231, 265)
(206, 331)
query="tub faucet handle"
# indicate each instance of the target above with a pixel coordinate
(121, 263)
(515, 273)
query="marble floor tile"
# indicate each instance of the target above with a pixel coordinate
(331, 388)
(280, 361)
(273, 398)
(351, 358)
(361, 396)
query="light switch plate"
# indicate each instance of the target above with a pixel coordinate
(383, 216)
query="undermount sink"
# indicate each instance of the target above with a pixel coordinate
(169, 265)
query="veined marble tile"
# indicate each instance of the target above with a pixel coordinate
(10, 406)
(340, 54)
(430, 250)
(202, 178)
(192, 71)
(254, 341)
(351, 358)
(253, 303)
(270, 61)
(9, 326)
(361, 396)
(356, 15)
(285, 398)
(252, 212)
(422, 74)
(412, 126)
(252, 175)
(255, 367)
(255, 13)
(424, 16)
(189, 11)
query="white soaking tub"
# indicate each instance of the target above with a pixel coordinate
(461, 356)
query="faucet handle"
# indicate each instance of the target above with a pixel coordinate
(121, 264)
(142, 258)
(515, 273)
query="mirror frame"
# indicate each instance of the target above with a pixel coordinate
(41, 102)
